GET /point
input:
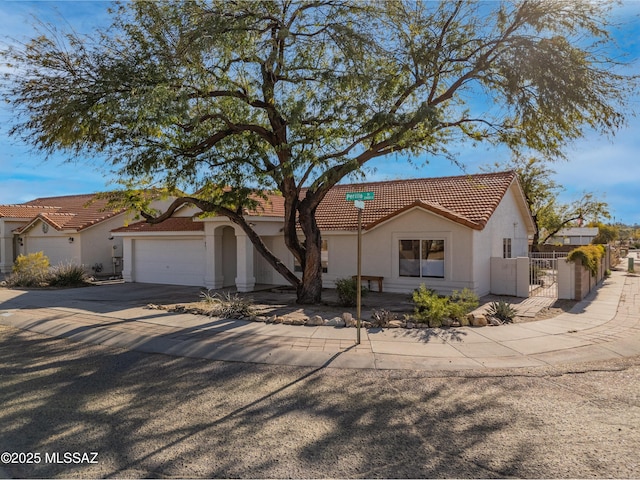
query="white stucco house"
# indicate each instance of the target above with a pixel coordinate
(438, 231)
(68, 229)
(574, 236)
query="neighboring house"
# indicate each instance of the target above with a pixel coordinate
(574, 236)
(438, 231)
(70, 229)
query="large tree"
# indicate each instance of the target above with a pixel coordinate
(541, 192)
(228, 99)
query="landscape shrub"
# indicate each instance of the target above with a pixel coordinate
(432, 308)
(228, 305)
(382, 317)
(347, 289)
(68, 275)
(502, 310)
(590, 255)
(462, 303)
(30, 270)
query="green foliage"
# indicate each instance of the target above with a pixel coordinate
(347, 289)
(502, 310)
(541, 193)
(432, 308)
(68, 275)
(606, 233)
(228, 305)
(30, 270)
(31, 264)
(462, 303)
(589, 255)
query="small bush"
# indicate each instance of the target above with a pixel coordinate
(590, 256)
(228, 305)
(502, 310)
(462, 303)
(347, 289)
(68, 275)
(32, 264)
(432, 309)
(382, 317)
(30, 270)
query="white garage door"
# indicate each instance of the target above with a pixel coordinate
(57, 249)
(169, 261)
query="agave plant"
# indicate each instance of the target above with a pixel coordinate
(502, 310)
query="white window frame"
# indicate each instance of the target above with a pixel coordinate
(442, 236)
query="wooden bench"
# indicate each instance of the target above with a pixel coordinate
(369, 278)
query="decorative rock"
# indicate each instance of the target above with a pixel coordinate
(411, 325)
(447, 322)
(298, 321)
(260, 318)
(349, 321)
(271, 319)
(478, 320)
(335, 322)
(315, 321)
(347, 317)
(395, 324)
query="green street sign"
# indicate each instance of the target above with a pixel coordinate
(359, 196)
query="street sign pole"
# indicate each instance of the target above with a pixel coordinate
(359, 282)
(358, 199)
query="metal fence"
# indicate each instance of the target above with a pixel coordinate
(543, 273)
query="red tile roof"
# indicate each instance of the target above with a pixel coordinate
(467, 199)
(73, 212)
(23, 211)
(173, 224)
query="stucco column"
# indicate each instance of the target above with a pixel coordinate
(127, 259)
(245, 279)
(522, 277)
(213, 275)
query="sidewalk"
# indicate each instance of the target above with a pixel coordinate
(606, 325)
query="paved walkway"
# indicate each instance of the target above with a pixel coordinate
(606, 325)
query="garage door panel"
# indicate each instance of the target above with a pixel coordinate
(173, 262)
(57, 249)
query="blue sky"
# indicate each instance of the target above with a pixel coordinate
(609, 167)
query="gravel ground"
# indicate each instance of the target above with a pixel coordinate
(158, 416)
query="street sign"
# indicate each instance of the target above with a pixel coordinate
(359, 196)
(357, 203)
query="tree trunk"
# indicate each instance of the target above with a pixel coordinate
(309, 292)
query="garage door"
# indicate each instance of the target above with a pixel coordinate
(57, 249)
(170, 261)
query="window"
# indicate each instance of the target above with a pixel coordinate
(324, 258)
(421, 258)
(506, 248)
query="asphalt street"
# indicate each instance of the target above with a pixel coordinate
(152, 415)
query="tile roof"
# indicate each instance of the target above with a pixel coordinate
(272, 206)
(467, 199)
(173, 224)
(72, 212)
(23, 211)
